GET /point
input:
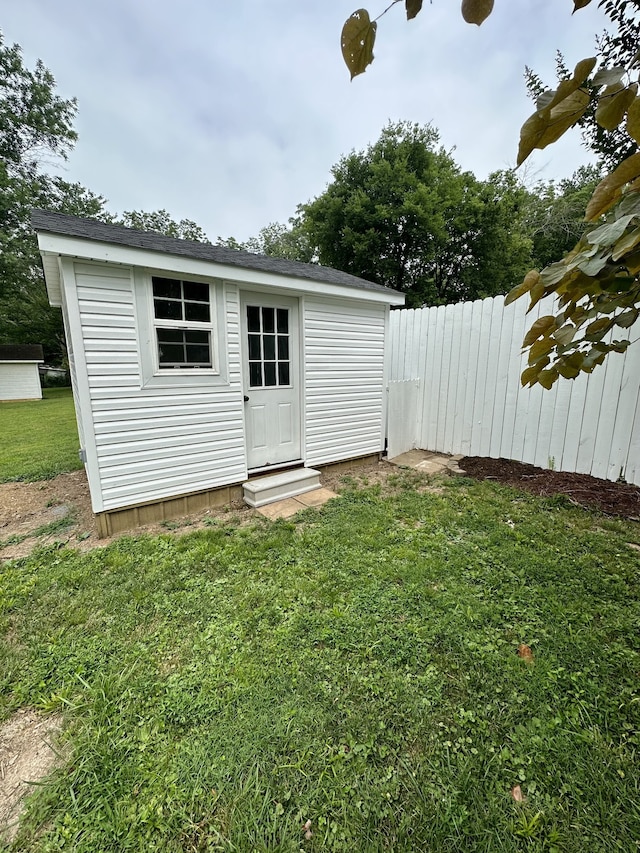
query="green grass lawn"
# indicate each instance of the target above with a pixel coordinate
(355, 667)
(39, 438)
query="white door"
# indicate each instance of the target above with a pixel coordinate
(271, 372)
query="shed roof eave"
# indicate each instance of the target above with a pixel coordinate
(56, 245)
(50, 224)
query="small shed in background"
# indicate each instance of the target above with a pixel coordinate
(19, 376)
(195, 367)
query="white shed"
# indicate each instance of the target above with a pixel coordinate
(195, 367)
(19, 377)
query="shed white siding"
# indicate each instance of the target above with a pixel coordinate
(152, 443)
(19, 380)
(344, 378)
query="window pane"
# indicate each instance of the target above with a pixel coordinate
(268, 320)
(254, 347)
(169, 288)
(283, 373)
(198, 354)
(165, 310)
(253, 318)
(196, 291)
(270, 347)
(197, 337)
(283, 347)
(283, 320)
(270, 373)
(255, 374)
(196, 311)
(170, 353)
(170, 336)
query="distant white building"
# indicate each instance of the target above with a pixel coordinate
(195, 366)
(19, 377)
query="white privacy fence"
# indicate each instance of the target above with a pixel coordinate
(455, 388)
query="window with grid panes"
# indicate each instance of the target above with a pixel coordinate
(269, 350)
(182, 318)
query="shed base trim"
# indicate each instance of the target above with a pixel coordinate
(115, 521)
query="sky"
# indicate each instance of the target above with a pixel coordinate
(233, 113)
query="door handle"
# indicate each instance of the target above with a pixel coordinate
(246, 399)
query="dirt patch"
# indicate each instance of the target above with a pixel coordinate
(27, 755)
(58, 512)
(618, 499)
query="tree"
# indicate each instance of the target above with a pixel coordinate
(25, 313)
(403, 214)
(597, 283)
(554, 214)
(35, 127)
(161, 222)
(277, 240)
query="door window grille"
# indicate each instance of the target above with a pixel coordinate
(269, 346)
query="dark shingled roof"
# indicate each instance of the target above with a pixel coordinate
(91, 229)
(21, 352)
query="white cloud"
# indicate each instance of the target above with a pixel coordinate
(232, 114)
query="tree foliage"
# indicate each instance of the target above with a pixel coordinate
(160, 222)
(403, 214)
(597, 283)
(277, 240)
(35, 128)
(554, 214)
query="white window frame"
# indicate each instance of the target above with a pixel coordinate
(156, 376)
(185, 326)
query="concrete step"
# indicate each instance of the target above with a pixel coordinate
(276, 487)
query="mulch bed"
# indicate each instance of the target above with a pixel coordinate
(612, 498)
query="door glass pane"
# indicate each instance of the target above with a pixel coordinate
(283, 373)
(253, 318)
(255, 374)
(283, 347)
(270, 373)
(254, 348)
(269, 347)
(268, 320)
(283, 321)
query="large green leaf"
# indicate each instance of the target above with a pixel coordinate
(541, 326)
(358, 37)
(413, 7)
(610, 232)
(570, 366)
(558, 110)
(613, 104)
(625, 244)
(530, 279)
(609, 76)
(476, 11)
(627, 318)
(565, 334)
(633, 120)
(609, 189)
